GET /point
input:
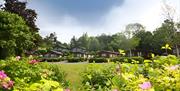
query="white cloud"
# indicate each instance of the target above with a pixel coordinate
(146, 12)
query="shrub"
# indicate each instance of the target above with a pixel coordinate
(52, 59)
(159, 74)
(25, 72)
(75, 59)
(5, 82)
(43, 85)
(97, 75)
(98, 60)
(132, 60)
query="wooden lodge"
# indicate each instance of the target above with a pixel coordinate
(108, 54)
(53, 54)
(78, 52)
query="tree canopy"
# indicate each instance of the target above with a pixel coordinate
(15, 35)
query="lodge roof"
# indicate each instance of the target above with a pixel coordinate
(78, 50)
(55, 52)
(108, 52)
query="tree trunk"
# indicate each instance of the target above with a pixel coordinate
(177, 51)
(130, 53)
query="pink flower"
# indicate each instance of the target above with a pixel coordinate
(33, 62)
(2, 75)
(8, 85)
(174, 67)
(5, 85)
(18, 57)
(145, 85)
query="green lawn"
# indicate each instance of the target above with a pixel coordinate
(73, 71)
(73, 74)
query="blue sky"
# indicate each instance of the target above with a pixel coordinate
(70, 18)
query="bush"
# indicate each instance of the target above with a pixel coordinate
(25, 72)
(159, 74)
(97, 75)
(128, 60)
(75, 59)
(44, 85)
(53, 59)
(98, 60)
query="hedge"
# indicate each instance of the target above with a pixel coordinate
(52, 59)
(128, 59)
(98, 60)
(75, 59)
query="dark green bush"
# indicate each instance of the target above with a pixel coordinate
(128, 59)
(53, 59)
(75, 59)
(98, 60)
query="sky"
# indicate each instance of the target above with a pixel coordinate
(68, 18)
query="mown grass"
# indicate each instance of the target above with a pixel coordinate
(73, 74)
(73, 71)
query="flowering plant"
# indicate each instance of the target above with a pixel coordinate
(5, 82)
(18, 57)
(33, 62)
(158, 74)
(145, 85)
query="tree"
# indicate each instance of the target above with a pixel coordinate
(84, 41)
(134, 28)
(29, 15)
(169, 13)
(177, 39)
(15, 36)
(145, 41)
(74, 43)
(164, 35)
(118, 41)
(49, 42)
(105, 41)
(132, 41)
(94, 44)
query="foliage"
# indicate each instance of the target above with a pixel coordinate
(135, 37)
(122, 52)
(98, 60)
(49, 42)
(5, 82)
(53, 59)
(133, 60)
(75, 59)
(84, 41)
(164, 35)
(94, 44)
(24, 73)
(96, 76)
(159, 74)
(29, 15)
(14, 35)
(105, 41)
(44, 85)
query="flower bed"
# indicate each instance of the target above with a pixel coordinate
(160, 74)
(28, 74)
